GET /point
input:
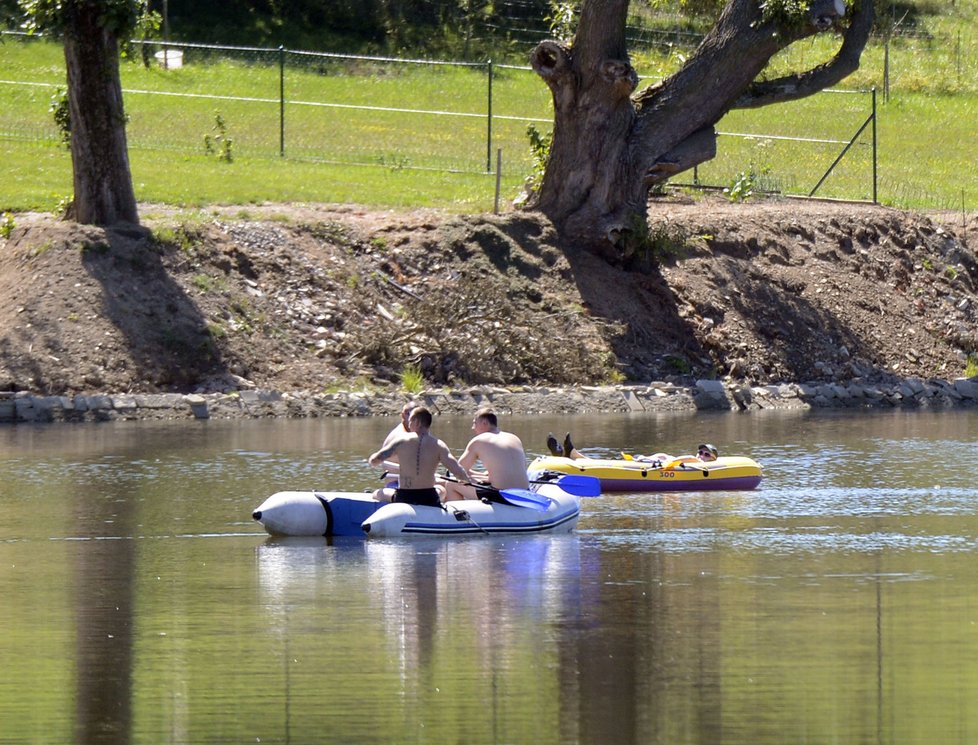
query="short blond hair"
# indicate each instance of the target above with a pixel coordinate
(488, 415)
(422, 415)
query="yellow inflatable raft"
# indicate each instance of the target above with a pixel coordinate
(722, 474)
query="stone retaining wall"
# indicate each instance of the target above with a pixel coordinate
(654, 397)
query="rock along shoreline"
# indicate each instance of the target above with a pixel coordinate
(655, 397)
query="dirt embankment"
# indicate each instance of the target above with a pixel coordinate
(313, 298)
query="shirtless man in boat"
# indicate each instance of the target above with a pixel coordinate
(501, 454)
(386, 493)
(419, 454)
(705, 452)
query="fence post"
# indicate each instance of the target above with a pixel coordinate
(871, 119)
(874, 146)
(281, 101)
(489, 122)
(499, 173)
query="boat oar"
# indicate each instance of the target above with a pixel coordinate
(516, 497)
(680, 463)
(519, 497)
(579, 486)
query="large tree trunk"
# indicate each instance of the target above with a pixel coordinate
(103, 184)
(609, 146)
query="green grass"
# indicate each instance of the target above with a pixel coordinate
(340, 148)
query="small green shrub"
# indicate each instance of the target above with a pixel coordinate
(743, 186)
(216, 330)
(219, 145)
(175, 237)
(971, 367)
(679, 364)
(412, 381)
(6, 225)
(539, 151)
(62, 115)
(203, 282)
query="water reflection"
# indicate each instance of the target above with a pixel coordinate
(837, 603)
(104, 606)
(458, 622)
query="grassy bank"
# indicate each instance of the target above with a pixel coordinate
(432, 146)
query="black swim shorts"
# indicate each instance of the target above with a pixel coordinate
(426, 497)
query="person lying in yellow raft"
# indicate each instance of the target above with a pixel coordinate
(704, 453)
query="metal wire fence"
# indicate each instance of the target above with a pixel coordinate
(445, 116)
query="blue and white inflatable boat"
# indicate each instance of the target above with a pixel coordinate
(545, 508)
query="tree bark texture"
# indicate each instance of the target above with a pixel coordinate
(100, 160)
(610, 145)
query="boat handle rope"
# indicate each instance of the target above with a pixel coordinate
(463, 516)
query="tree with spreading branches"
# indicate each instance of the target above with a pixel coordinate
(611, 144)
(91, 31)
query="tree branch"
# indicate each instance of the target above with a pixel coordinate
(699, 147)
(551, 60)
(800, 85)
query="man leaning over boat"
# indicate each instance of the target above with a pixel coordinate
(419, 453)
(501, 454)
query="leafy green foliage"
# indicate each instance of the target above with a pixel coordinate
(6, 225)
(62, 115)
(785, 13)
(147, 27)
(118, 17)
(219, 144)
(540, 151)
(745, 184)
(561, 19)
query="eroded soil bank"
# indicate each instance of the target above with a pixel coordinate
(308, 300)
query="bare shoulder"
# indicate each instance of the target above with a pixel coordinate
(507, 439)
(397, 439)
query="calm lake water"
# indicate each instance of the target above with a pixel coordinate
(838, 603)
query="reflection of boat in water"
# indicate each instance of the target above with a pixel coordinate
(381, 623)
(550, 509)
(723, 474)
